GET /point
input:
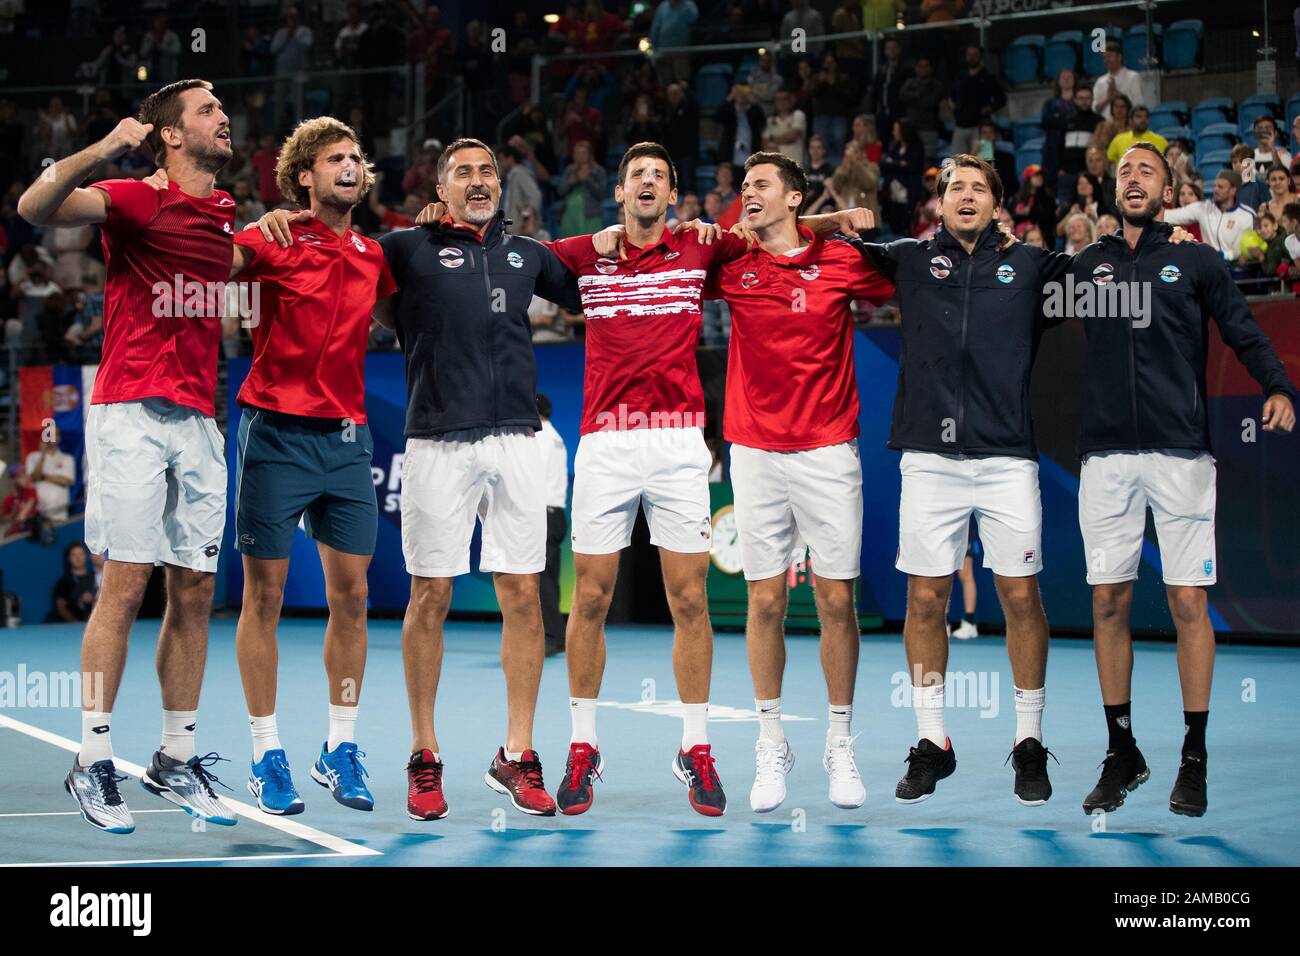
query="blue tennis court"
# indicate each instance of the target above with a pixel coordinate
(641, 816)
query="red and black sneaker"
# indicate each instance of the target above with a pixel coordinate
(578, 790)
(424, 799)
(695, 768)
(521, 780)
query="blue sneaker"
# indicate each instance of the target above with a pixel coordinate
(340, 769)
(272, 785)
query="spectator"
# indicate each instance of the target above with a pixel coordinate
(102, 117)
(1079, 232)
(1281, 193)
(1097, 166)
(976, 95)
(786, 129)
(1273, 256)
(765, 81)
(885, 99)
(1080, 126)
(901, 167)
(724, 180)
(347, 43)
(1267, 150)
(688, 209)
(920, 97)
(1223, 222)
(1033, 236)
(682, 135)
(819, 171)
(291, 46)
(521, 188)
(581, 123)
(1190, 192)
(712, 206)
(1106, 225)
(1055, 118)
(1120, 113)
(19, 512)
(115, 67)
(856, 181)
(85, 335)
(671, 27)
(645, 125)
(864, 134)
(56, 130)
(67, 246)
(832, 102)
(742, 122)
(401, 218)
(53, 472)
(35, 293)
(1034, 203)
(248, 209)
(582, 191)
(985, 147)
(422, 175)
(1176, 155)
(475, 61)
(1117, 81)
(263, 163)
(850, 17)
(925, 221)
(802, 16)
(1252, 194)
(1085, 203)
(160, 52)
(1138, 132)
(75, 592)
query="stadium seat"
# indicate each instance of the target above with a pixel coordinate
(1175, 106)
(1210, 164)
(1135, 47)
(1162, 117)
(1025, 58)
(1253, 107)
(1215, 137)
(1024, 130)
(747, 66)
(1031, 153)
(1093, 65)
(1062, 53)
(1214, 110)
(1182, 50)
(712, 83)
(705, 177)
(608, 211)
(1172, 133)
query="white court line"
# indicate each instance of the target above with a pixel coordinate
(339, 845)
(181, 859)
(75, 813)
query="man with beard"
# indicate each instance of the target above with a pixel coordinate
(1144, 444)
(157, 486)
(461, 315)
(304, 446)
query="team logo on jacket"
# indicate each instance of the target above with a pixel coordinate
(1006, 274)
(451, 257)
(1103, 273)
(811, 273)
(515, 260)
(1170, 273)
(940, 267)
(357, 243)
(749, 280)
(606, 266)
(672, 255)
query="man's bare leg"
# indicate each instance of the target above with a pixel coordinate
(523, 648)
(422, 654)
(1027, 639)
(103, 653)
(183, 653)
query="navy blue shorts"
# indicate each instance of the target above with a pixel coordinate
(292, 468)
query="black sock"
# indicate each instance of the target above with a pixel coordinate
(1119, 724)
(968, 618)
(1194, 722)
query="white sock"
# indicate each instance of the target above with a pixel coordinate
(178, 733)
(1029, 713)
(841, 719)
(266, 735)
(928, 704)
(583, 712)
(769, 720)
(343, 726)
(695, 725)
(512, 755)
(96, 737)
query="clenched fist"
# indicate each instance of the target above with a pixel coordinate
(126, 136)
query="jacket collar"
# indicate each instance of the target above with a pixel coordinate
(1155, 232)
(488, 235)
(988, 239)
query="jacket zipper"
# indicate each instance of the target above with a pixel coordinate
(961, 391)
(1132, 358)
(492, 362)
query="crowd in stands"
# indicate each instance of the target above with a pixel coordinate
(871, 133)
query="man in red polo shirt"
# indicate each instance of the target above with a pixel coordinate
(642, 444)
(304, 446)
(157, 472)
(792, 420)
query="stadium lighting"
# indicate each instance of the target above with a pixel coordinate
(551, 18)
(142, 73)
(643, 44)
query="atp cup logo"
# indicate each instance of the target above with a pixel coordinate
(940, 267)
(515, 260)
(1170, 273)
(450, 257)
(1006, 274)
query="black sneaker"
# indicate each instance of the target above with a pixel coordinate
(1188, 796)
(1122, 772)
(927, 765)
(1029, 761)
(696, 769)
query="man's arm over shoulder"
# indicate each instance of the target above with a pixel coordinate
(556, 282)
(884, 256)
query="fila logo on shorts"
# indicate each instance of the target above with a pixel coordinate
(451, 257)
(1029, 557)
(940, 267)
